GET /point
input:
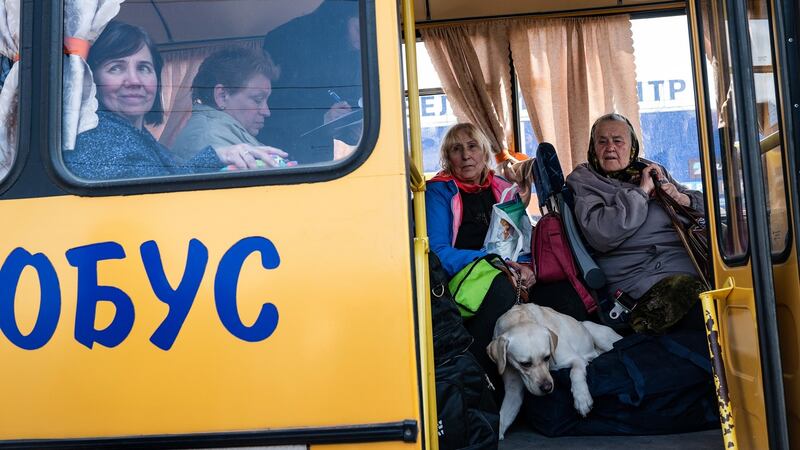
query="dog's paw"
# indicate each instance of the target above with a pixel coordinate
(583, 404)
(502, 436)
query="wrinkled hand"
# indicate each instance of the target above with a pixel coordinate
(337, 110)
(245, 156)
(527, 277)
(646, 183)
(673, 192)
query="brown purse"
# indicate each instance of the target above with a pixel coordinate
(691, 228)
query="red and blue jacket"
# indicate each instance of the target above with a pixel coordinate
(444, 212)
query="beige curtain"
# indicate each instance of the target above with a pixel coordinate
(180, 68)
(472, 61)
(570, 72)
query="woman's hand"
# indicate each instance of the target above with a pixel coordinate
(246, 156)
(527, 278)
(646, 182)
(673, 192)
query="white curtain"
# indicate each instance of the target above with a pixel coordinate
(83, 19)
(9, 97)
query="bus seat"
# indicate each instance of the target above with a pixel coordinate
(554, 195)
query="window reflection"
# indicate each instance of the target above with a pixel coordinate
(175, 88)
(728, 177)
(769, 130)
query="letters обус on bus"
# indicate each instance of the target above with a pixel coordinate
(85, 259)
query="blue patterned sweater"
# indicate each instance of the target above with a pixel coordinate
(115, 149)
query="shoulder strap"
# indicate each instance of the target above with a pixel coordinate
(670, 205)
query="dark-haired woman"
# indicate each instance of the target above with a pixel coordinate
(229, 96)
(637, 246)
(126, 67)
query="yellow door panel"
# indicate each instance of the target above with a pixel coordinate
(342, 350)
(739, 340)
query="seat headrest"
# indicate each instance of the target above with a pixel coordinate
(547, 173)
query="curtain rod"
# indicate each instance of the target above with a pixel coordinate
(656, 7)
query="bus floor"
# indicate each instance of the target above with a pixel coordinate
(521, 437)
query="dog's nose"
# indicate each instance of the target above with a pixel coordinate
(546, 387)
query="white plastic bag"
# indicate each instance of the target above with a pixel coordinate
(509, 234)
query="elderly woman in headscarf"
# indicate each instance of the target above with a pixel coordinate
(637, 246)
(459, 204)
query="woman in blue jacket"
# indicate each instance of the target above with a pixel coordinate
(459, 204)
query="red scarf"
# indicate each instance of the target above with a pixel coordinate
(466, 187)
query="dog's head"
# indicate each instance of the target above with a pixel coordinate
(529, 349)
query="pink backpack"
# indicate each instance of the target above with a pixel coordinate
(553, 260)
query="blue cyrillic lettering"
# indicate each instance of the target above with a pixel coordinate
(49, 300)
(676, 86)
(225, 284)
(656, 88)
(427, 105)
(180, 299)
(85, 259)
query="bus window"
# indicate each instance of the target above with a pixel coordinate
(666, 99)
(728, 185)
(769, 129)
(199, 87)
(436, 112)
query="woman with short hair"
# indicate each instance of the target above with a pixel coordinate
(229, 105)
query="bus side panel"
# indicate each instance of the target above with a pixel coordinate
(303, 316)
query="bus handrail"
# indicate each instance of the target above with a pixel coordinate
(770, 142)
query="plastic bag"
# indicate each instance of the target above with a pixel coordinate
(509, 234)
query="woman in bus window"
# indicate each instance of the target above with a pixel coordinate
(126, 67)
(229, 96)
(638, 249)
(459, 207)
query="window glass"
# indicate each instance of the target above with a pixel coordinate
(769, 130)
(667, 110)
(197, 86)
(664, 83)
(436, 113)
(528, 141)
(730, 207)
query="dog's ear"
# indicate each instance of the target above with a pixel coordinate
(553, 345)
(497, 351)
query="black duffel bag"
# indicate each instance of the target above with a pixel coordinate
(468, 416)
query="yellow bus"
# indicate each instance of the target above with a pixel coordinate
(204, 299)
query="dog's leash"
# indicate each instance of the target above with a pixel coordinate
(519, 286)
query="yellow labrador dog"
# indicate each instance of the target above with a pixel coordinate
(530, 340)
